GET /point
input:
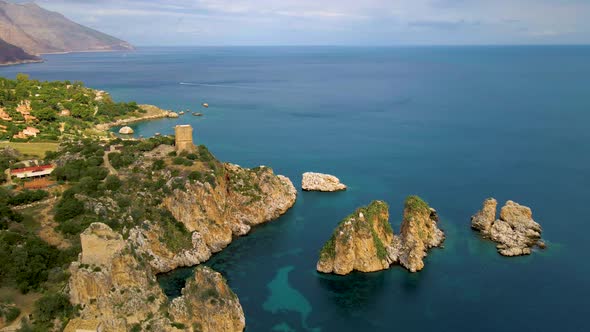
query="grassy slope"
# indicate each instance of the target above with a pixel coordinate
(33, 149)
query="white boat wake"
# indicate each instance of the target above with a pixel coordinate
(225, 86)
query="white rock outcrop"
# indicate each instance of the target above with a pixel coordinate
(126, 130)
(321, 182)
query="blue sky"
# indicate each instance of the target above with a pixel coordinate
(334, 22)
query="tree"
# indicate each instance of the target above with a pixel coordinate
(113, 183)
(45, 114)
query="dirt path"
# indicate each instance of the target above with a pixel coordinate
(47, 227)
(107, 162)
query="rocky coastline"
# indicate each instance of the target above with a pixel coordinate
(114, 282)
(152, 113)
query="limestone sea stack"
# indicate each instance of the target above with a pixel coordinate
(515, 232)
(359, 242)
(126, 131)
(365, 242)
(321, 182)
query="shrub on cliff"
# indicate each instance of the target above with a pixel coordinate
(50, 307)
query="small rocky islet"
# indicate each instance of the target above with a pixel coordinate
(515, 232)
(312, 181)
(365, 242)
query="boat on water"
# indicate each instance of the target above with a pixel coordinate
(181, 112)
(206, 105)
(197, 114)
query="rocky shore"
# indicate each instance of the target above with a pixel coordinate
(515, 232)
(152, 113)
(365, 242)
(321, 182)
(114, 281)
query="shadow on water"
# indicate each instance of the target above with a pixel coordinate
(352, 291)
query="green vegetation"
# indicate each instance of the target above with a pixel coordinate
(35, 149)
(27, 261)
(9, 312)
(57, 109)
(179, 326)
(377, 211)
(50, 307)
(27, 197)
(415, 204)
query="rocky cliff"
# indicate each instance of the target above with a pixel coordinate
(37, 31)
(208, 304)
(117, 291)
(515, 231)
(365, 242)
(359, 242)
(419, 232)
(216, 213)
(10, 55)
(170, 210)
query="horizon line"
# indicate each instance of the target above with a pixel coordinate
(361, 45)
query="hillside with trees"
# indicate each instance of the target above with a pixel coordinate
(32, 110)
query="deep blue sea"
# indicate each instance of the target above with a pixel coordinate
(454, 125)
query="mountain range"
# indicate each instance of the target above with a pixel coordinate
(36, 31)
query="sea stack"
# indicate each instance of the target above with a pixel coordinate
(515, 232)
(365, 242)
(321, 182)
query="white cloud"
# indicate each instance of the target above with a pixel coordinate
(349, 21)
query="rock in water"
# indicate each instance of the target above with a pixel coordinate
(419, 232)
(321, 182)
(216, 306)
(126, 131)
(365, 242)
(359, 242)
(515, 232)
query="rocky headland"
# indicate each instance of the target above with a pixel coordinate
(365, 242)
(215, 214)
(118, 291)
(515, 232)
(321, 182)
(201, 206)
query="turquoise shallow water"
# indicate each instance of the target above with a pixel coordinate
(453, 125)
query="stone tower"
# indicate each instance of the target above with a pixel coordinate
(184, 138)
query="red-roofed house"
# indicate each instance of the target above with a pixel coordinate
(32, 172)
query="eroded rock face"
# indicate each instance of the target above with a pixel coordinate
(365, 242)
(483, 219)
(242, 199)
(119, 289)
(208, 304)
(321, 182)
(120, 292)
(359, 242)
(515, 232)
(419, 232)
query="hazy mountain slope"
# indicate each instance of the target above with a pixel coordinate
(37, 30)
(10, 54)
